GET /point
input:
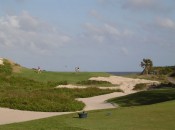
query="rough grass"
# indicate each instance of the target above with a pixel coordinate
(6, 68)
(28, 90)
(140, 86)
(151, 117)
(95, 83)
(145, 97)
(27, 94)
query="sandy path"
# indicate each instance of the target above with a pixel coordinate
(8, 116)
(126, 84)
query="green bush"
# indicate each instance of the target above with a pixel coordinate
(54, 84)
(164, 70)
(40, 101)
(140, 86)
(93, 82)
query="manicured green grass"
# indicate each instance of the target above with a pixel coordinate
(70, 77)
(145, 97)
(150, 117)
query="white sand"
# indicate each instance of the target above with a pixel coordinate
(8, 116)
(126, 84)
(93, 103)
(1, 61)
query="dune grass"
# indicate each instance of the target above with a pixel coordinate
(94, 83)
(28, 90)
(149, 117)
(28, 94)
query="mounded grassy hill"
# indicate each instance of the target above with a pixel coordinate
(24, 89)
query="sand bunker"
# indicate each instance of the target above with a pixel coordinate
(126, 84)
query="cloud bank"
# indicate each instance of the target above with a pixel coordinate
(30, 33)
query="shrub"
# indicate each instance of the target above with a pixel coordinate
(6, 69)
(140, 86)
(162, 85)
(93, 82)
(54, 84)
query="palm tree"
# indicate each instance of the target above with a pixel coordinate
(147, 64)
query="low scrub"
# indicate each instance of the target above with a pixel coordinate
(53, 83)
(164, 70)
(47, 100)
(6, 68)
(40, 100)
(36, 92)
(28, 94)
(162, 85)
(93, 91)
(95, 83)
(140, 86)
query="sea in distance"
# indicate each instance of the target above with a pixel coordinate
(123, 73)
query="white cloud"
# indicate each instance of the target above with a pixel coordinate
(105, 32)
(166, 23)
(149, 5)
(140, 3)
(124, 51)
(28, 32)
(96, 14)
(111, 29)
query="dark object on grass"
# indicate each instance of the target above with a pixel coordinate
(82, 114)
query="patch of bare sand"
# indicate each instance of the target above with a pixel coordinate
(1, 61)
(13, 116)
(126, 84)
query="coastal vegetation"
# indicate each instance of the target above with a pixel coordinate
(140, 86)
(94, 83)
(28, 90)
(164, 70)
(147, 64)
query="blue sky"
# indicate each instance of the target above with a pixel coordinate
(96, 35)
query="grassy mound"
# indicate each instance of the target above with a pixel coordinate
(28, 90)
(145, 97)
(28, 94)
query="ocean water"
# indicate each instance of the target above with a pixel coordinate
(123, 73)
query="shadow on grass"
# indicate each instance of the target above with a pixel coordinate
(145, 97)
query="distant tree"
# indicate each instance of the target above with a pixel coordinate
(147, 64)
